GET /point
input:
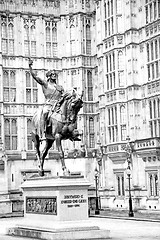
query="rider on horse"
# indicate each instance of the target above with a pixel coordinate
(54, 97)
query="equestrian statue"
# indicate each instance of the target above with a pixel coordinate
(56, 120)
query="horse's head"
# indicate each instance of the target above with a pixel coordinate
(76, 103)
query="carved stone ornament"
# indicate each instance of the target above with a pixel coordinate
(41, 205)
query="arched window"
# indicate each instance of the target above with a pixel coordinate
(26, 40)
(7, 36)
(112, 116)
(122, 115)
(148, 52)
(30, 39)
(28, 81)
(123, 122)
(120, 60)
(12, 79)
(4, 30)
(72, 32)
(4, 39)
(54, 34)
(31, 89)
(91, 125)
(91, 133)
(105, 11)
(48, 34)
(7, 127)
(90, 86)
(88, 32)
(14, 126)
(14, 134)
(88, 39)
(152, 51)
(151, 185)
(72, 39)
(33, 33)
(10, 131)
(150, 109)
(12, 86)
(26, 32)
(154, 108)
(5, 79)
(156, 48)
(54, 41)
(29, 137)
(9, 86)
(10, 31)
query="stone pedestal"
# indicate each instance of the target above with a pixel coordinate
(57, 208)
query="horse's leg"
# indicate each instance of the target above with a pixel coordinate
(48, 145)
(36, 140)
(61, 152)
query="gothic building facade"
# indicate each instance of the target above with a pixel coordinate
(128, 56)
(110, 49)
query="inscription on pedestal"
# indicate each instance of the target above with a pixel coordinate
(41, 205)
(73, 200)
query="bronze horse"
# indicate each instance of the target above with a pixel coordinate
(61, 125)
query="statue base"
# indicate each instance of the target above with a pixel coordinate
(57, 208)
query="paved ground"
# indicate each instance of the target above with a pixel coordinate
(146, 215)
(120, 229)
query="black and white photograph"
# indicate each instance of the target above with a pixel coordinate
(79, 119)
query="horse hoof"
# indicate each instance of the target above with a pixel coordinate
(41, 173)
(66, 172)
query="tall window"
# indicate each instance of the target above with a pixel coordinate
(119, 7)
(112, 124)
(153, 57)
(7, 36)
(74, 79)
(10, 132)
(152, 10)
(154, 122)
(90, 86)
(121, 68)
(51, 39)
(9, 86)
(48, 42)
(123, 122)
(29, 137)
(88, 40)
(120, 184)
(29, 37)
(31, 89)
(54, 41)
(110, 71)
(91, 133)
(86, 44)
(72, 40)
(109, 20)
(153, 184)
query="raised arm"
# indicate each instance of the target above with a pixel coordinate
(38, 80)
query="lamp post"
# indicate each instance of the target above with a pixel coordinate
(131, 214)
(96, 183)
(129, 152)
